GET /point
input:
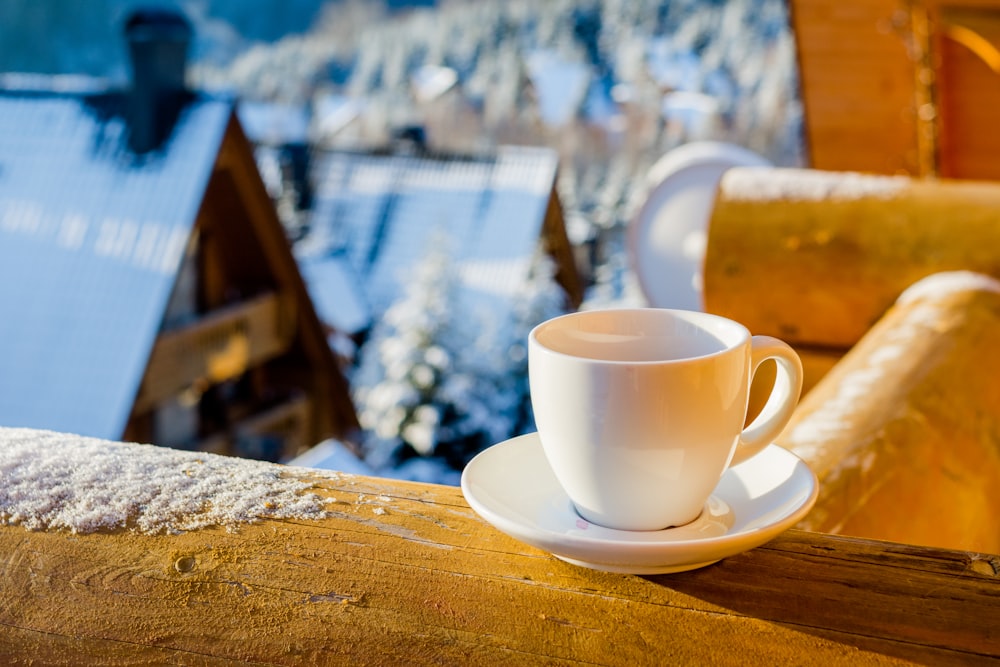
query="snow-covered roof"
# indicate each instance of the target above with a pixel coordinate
(274, 124)
(91, 240)
(382, 212)
(431, 81)
(560, 85)
(335, 292)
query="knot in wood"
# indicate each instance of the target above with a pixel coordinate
(184, 564)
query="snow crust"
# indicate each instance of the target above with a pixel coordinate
(760, 184)
(54, 481)
(943, 284)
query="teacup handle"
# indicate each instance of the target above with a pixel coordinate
(780, 403)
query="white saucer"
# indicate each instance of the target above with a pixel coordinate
(667, 238)
(512, 486)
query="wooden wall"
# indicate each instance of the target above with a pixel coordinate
(968, 90)
(857, 85)
(900, 87)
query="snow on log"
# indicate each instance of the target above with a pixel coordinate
(904, 432)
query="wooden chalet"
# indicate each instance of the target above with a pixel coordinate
(147, 288)
(900, 86)
(377, 214)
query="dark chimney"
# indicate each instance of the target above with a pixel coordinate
(158, 42)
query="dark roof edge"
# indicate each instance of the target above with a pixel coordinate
(390, 150)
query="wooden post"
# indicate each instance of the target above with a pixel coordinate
(816, 258)
(904, 433)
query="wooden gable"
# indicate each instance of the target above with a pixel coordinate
(253, 362)
(897, 87)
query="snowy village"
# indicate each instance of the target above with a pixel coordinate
(274, 277)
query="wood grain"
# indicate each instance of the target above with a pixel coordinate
(407, 573)
(857, 85)
(817, 258)
(904, 433)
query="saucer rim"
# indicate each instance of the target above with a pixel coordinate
(625, 555)
(696, 155)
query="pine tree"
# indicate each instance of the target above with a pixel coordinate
(404, 362)
(440, 379)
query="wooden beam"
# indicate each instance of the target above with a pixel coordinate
(333, 413)
(406, 573)
(904, 433)
(557, 244)
(219, 346)
(816, 258)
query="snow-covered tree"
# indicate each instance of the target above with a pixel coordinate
(439, 378)
(539, 299)
(401, 367)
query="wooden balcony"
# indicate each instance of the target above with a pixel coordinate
(902, 433)
(404, 573)
(219, 346)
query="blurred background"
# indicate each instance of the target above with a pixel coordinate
(445, 174)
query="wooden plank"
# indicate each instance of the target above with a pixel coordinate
(407, 573)
(427, 582)
(221, 345)
(855, 73)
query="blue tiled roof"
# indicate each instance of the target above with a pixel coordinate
(91, 239)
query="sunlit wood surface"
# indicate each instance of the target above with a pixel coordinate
(817, 258)
(904, 433)
(406, 573)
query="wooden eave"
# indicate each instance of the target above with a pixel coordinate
(558, 246)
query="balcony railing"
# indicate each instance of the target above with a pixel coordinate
(406, 573)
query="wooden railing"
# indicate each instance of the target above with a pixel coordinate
(405, 573)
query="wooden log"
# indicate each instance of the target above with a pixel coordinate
(904, 433)
(405, 573)
(816, 363)
(817, 258)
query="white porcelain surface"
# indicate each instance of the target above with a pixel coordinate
(512, 487)
(640, 411)
(667, 238)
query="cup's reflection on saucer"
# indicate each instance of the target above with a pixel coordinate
(641, 411)
(715, 520)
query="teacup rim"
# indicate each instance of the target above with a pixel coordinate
(743, 332)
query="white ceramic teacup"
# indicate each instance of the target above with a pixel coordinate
(640, 411)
